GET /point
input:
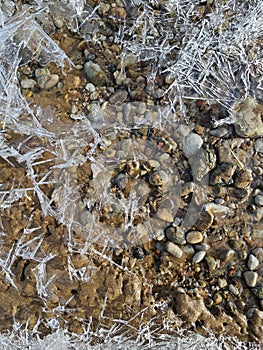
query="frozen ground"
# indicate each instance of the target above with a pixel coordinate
(216, 59)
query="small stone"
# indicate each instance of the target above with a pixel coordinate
(223, 175)
(95, 74)
(187, 188)
(138, 253)
(211, 263)
(227, 255)
(47, 82)
(165, 215)
(222, 282)
(248, 114)
(174, 250)
(219, 132)
(158, 93)
(183, 130)
(41, 71)
(27, 83)
(258, 146)
(258, 291)
(233, 290)
(251, 278)
(58, 23)
(199, 256)
(243, 178)
(175, 235)
(118, 97)
(216, 209)
(217, 298)
(194, 237)
(203, 246)
(192, 144)
(90, 87)
(252, 262)
(259, 200)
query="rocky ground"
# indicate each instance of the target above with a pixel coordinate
(193, 256)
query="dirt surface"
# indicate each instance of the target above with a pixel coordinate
(51, 269)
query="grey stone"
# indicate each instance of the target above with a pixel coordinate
(90, 87)
(233, 289)
(47, 82)
(219, 132)
(194, 237)
(248, 114)
(192, 144)
(174, 250)
(259, 145)
(251, 278)
(95, 74)
(199, 256)
(41, 71)
(259, 200)
(252, 262)
(27, 83)
(175, 235)
(227, 255)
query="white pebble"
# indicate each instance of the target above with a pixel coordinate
(174, 250)
(252, 262)
(251, 278)
(194, 237)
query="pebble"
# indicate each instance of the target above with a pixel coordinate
(118, 97)
(223, 174)
(252, 262)
(219, 132)
(165, 215)
(183, 130)
(222, 282)
(187, 188)
(203, 246)
(47, 82)
(27, 83)
(192, 144)
(248, 118)
(211, 263)
(199, 256)
(243, 178)
(216, 209)
(259, 200)
(251, 278)
(175, 235)
(58, 23)
(174, 250)
(90, 87)
(227, 255)
(258, 146)
(233, 290)
(217, 298)
(95, 74)
(194, 237)
(41, 71)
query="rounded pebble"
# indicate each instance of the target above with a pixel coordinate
(217, 298)
(174, 250)
(199, 256)
(27, 83)
(41, 71)
(47, 82)
(252, 262)
(194, 237)
(251, 278)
